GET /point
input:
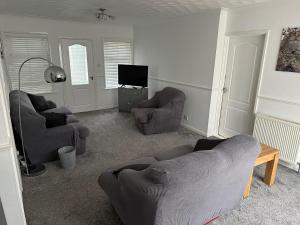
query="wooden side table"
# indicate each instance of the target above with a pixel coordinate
(270, 156)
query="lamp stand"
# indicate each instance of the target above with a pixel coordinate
(34, 170)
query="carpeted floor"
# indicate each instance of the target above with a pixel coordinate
(62, 197)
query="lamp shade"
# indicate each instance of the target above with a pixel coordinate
(55, 74)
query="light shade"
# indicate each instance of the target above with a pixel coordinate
(55, 74)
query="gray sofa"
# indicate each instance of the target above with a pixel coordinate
(41, 143)
(180, 186)
(162, 113)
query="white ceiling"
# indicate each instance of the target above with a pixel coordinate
(84, 10)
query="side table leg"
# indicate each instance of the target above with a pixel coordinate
(248, 188)
(271, 170)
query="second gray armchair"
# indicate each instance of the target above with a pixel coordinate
(162, 113)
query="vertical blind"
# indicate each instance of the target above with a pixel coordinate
(115, 53)
(18, 48)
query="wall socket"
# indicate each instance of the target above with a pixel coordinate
(185, 117)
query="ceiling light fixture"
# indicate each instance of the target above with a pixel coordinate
(102, 16)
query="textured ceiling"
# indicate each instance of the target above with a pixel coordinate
(84, 10)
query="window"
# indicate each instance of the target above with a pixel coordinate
(18, 48)
(78, 65)
(115, 53)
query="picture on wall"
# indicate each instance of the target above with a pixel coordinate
(289, 53)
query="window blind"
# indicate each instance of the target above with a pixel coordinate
(115, 53)
(18, 48)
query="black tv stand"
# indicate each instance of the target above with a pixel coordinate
(129, 97)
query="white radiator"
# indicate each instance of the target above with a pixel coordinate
(279, 134)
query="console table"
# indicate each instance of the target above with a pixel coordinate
(130, 97)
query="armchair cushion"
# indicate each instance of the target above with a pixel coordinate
(39, 102)
(55, 119)
(61, 109)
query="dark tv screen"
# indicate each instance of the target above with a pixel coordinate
(133, 75)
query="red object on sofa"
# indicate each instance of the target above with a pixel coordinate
(211, 221)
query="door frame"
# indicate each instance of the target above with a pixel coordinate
(228, 35)
(60, 42)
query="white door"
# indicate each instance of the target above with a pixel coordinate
(242, 73)
(79, 91)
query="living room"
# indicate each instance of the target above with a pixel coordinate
(214, 73)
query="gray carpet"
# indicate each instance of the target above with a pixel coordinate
(62, 197)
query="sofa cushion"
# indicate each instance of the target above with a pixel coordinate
(39, 102)
(174, 152)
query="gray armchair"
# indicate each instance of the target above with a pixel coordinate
(180, 186)
(162, 113)
(41, 143)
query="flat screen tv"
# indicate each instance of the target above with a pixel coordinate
(133, 75)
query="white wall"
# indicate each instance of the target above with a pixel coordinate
(10, 188)
(181, 53)
(65, 29)
(279, 95)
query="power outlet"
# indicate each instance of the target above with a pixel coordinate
(185, 117)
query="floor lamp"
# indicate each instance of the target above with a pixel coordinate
(52, 74)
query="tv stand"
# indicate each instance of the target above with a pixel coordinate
(129, 97)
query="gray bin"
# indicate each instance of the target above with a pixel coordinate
(67, 156)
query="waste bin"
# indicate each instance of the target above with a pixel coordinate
(67, 156)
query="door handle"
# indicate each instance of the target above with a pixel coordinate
(92, 78)
(225, 90)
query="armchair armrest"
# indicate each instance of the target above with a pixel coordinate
(151, 103)
(61, 136)
(161, 114)
(143, 115)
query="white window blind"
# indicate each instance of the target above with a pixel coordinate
(115, 53)
(18, 48)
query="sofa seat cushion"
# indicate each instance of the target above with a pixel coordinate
(143, 115)
(174, 152)
(61, 109)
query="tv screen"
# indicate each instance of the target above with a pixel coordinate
(133, 75)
